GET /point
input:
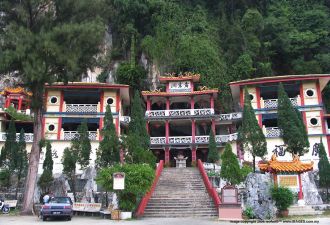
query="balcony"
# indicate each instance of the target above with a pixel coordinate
(28, 137)
(272, 132)
(273, 103)
(231, 116)
(125, 119)
(179, 113)
(70, 135)
(188, 139)
(81, 108)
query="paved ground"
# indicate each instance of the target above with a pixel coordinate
(29, 220)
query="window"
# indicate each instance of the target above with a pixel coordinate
(314, 121)
(109, 101)
(53, 99)
(310, 92)
(51, 127)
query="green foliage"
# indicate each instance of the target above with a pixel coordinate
(213, 156)
(283, 197)
(245, 170)
(16, 115)
(230, 170)
(4, 178)
(248, 212)
(108, 152)
(10, 151)
(46, 177)
(102, 77)
(138, 180)
(133, 75)
(22, 160)
(69, 161)
(82, 145)
(290, 122)
(250, 134)
(324, 168)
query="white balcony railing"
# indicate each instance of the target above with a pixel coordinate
(230, 116)
(82, 108)
(273, 103)
(70, 135)
(28, 137)
(272, 131)
(188, 139)
(179, 112)
(125, 119)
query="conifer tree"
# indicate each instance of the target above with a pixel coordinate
(324, 169)
(108, 152)
(69, 161)
(250, 134)
(84, 145)
(46, 177)
(54, 41)
(9, 152)
(230, 170)
(292, 127)
(213, 155)
(22, 160)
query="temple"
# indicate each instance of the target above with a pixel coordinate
(179, 119)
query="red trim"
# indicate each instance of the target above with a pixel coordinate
(59, 127)
(19, 103)
(300, 193)
(145, 199)
(192, 86)
(212, 102)
(167, 87)
(118, 101)
(258, 97)
(279, 79)
(167, 104)
(87, 86)
(301, 92)
(323, 122)
(61, 101)
(167, 130)
(319, 93)
(192, 102)
(101, 101)
(193, 154)
(148, 104)
(167, 155)
(212, 192)
(100, 128)
(305, 121)
(193, 130)
(117, 126)
(148, 93)
(241, 97)
(260, 120)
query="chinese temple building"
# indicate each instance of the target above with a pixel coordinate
(287, 173)
(305, 93)
(180, 118)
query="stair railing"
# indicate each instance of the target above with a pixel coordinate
(147, 196)
(212, 192)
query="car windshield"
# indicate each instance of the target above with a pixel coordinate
(60, 200)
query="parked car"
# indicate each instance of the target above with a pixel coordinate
(57, 207)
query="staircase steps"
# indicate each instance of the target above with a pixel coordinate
(296, 210)
(180, 192)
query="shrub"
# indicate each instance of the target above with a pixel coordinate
(283, 197)
(245, 170)
(138, 180)
(4, 178)
(248, 212)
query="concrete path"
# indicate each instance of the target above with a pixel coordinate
(80, 220)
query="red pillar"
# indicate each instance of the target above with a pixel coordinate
(167, 155)
(275, 179)
(192, 102)
(19, 103)
(193, 154)
(167, 130)
(59, 128)
(167, 104)
(300, 194)
(101, 101)
(212, 102)
(213, 127)
(148, 104)
(301, 93)
(193, 131)
(147, 126)
(100, 128)
(8, 101)
(258, 97)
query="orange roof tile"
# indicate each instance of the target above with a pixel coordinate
(215, 90)
(186, 76)
(282, 166)
(17, 90)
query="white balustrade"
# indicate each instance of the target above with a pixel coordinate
(180, 140)
(273, 103)
(203, 112)
(27, 136)
(70, 135)
(125, 119)
(273, 132)
(82, 108)
(202, 139)
(179, 112)
(157, 140)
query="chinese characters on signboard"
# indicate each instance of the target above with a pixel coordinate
(119, 181)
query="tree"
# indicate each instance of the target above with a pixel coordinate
(10, 149)
(213, 155)
(46, 177)
(46, 41)
(108, 152)
(83, 145)
(22, 160)
(324, 169)
(230, 170)
(250, 134)
(292, 127)
(69, 161)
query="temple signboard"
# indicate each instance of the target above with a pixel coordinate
(119, 181)
(229, 195)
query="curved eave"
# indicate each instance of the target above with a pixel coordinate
(165, 79)
(286, 167)
(153, 93)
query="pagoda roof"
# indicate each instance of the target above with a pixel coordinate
(83, 85)
(180, 77)
(15, 90)
(295, 165)
(159, 93)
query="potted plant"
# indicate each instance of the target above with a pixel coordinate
(283, 199)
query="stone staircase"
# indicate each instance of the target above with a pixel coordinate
(296, 210)
(180, 192)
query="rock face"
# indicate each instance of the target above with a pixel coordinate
(258, 197)
(311, 195)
